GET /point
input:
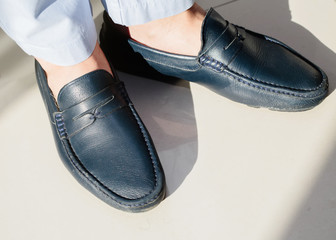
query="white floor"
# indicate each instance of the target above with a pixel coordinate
(233, 172)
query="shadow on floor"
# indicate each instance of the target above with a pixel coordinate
(168, 112)
(316, 218)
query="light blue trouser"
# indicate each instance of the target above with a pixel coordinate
(63, 32)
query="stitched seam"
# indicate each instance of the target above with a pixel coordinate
(152, 160)
(97, 178)
(144, 134)
(220, 67)
(98, 187)
(60, 125)
(212, 63)
(277, 85)
(147, 144)
(272, 90)
(100, 183)
(293, 51)
(83, 173)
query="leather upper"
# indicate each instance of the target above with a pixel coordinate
(260, 58)
(244, 66)
(103, 142)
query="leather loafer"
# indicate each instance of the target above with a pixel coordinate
(234, 62)
(103, 142)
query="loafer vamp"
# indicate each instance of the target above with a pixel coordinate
(270, 63)
(106, 137)
(117, 158)
(103, 142)
(255, 57)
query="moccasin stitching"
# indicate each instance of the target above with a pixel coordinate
(212, 63)
(147, 144)
(97, 183)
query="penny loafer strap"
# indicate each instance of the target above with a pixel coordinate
(76, 118)
(221, 41)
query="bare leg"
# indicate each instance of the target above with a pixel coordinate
(180, 34)
(58, 76)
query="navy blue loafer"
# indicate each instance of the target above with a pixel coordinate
(234, 62)
(103, 142)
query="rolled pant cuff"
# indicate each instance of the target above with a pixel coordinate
(139, 12)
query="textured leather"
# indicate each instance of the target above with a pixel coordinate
(103, 142)
(239, 64)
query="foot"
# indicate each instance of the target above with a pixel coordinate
(103, 142)
(179, 34)
(58, 76)
(239, 64)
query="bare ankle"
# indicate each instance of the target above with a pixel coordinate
(58, 76)
(180, 34)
